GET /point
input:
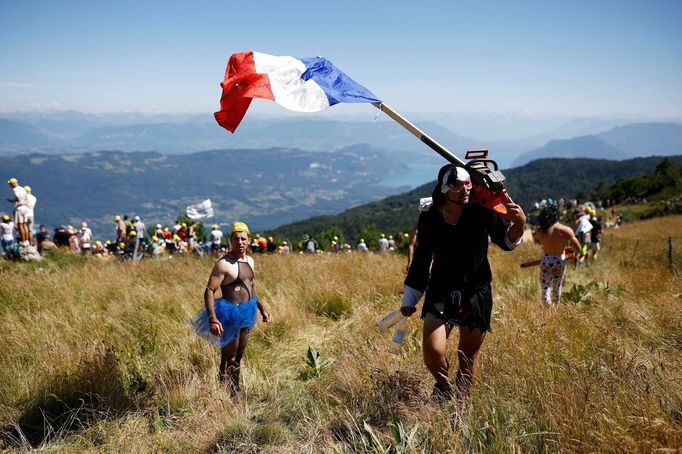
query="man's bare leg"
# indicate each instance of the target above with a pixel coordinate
(470, 341)
(436, 333)
(230, 360)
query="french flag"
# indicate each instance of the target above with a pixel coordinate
(301, 85)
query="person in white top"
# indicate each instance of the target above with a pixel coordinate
(582, 232)
(139, 227)
(7, 231)
(20, 211)
(216, 238)
(32, 200)
(85, 239)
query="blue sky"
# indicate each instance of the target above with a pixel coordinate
(580, 58)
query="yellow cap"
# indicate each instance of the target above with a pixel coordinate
(240, 227)
(12, 181)
(108, 242)
(214, 226)
(121, 245)
(5, 217)
(176, 238)
(98, 243)
(184, 225)
(133, 233)
(117, 218)
(155, 238)
(27, 188)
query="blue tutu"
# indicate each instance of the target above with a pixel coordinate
(233, 317)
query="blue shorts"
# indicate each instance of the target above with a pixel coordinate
(234, 317)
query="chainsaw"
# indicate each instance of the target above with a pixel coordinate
(489, 184)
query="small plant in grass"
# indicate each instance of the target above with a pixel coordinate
(314, 364)
(405, 441)
(579, 294)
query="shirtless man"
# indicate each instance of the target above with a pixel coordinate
(231, 317)
(553, 237)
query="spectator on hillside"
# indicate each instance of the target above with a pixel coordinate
(21, 212)
(284, 248)
(553, 237)
(227, 321)
(61, 236)
(85, 239)
(32, 200)
(595, 236)
(140, 228)
(159, 231)
(334, 245)
(74, 244)
(391, 243)
(120, 227)
(382, 244)
(183, 232)
(7, 231)
(216, 239)
(272, 246)
(168, 240)
(583, 226)
(451, 265)
(310, 246)
(262, 243)
(99, 250)
(41, 236)
(362, 246)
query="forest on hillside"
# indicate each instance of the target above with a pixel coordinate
(654, 179)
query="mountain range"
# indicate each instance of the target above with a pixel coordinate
(74, 132)
(265, 188)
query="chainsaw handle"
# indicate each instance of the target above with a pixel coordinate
(484, 162)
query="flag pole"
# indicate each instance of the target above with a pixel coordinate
(421, 135)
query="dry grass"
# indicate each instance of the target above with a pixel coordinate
(97, 357)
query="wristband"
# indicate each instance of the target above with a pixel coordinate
(411, 296)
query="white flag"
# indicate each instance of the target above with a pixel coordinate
(200, 210)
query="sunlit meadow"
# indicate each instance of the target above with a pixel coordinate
(97, 357)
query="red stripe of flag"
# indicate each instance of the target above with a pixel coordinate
(240, 86)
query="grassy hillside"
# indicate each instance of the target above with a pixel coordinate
(102, 350)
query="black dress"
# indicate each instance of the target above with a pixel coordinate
(451, 264)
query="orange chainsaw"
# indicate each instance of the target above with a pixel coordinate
(489, 184)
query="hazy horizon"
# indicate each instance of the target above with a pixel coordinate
(582, 59)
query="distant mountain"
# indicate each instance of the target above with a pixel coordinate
(18, 136)
(556, 178)
(72, 132)
(265, 188)
(623, 142)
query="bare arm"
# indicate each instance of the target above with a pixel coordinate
(215, 279)
(573, 240)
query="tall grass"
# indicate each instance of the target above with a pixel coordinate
(97, 357)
